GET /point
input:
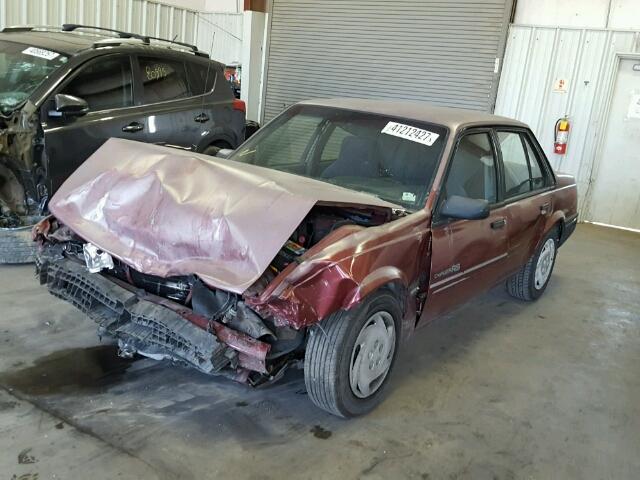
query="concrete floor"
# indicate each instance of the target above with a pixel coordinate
(501, 389)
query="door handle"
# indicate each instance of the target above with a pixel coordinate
(501, 222)
(544, 208)
(133, 127)
(203, 117)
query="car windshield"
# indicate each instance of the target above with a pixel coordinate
(23, 68)
(391, 158)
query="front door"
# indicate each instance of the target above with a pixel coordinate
(614, 198)
(467, 256)
(106, 83)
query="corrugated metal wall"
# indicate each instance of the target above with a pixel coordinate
(535, 57)
(227, 44)
(140, 16)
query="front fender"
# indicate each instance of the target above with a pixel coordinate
(344, 270)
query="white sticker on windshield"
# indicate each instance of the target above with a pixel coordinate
(408, 132)
(408, 197)
(40, 53)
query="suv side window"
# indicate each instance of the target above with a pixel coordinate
(473, 171)
(163, 79)
(202, 78)
(104, 83)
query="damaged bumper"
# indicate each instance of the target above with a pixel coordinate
(153, 326)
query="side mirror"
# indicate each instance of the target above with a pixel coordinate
(465, 208)
(224, 153)
(69, 106)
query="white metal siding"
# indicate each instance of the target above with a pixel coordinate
(140, 16)
(225, 29)
(432, 50)
(534, 58)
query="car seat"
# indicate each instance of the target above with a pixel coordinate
(354, 160)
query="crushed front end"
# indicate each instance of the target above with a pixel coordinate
(23, 178)
(176, 318)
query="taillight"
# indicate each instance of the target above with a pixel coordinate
(239, 105)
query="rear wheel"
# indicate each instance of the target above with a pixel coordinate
(532, 279)
(214, 148)
(350, 355)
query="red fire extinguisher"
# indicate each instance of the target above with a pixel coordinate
(561, 136)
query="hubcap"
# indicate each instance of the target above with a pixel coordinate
(545, 262)
(372, 354)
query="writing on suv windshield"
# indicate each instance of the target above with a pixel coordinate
(391, 158)
(24, 68)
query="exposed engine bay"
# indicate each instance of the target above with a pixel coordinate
(23, 185)
(180, 318)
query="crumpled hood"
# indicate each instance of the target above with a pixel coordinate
(171, 212)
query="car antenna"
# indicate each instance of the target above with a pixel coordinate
(206, 81)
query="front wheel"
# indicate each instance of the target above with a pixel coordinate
(532, 279)
(350, 355)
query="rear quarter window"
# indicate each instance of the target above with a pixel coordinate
(202, 77)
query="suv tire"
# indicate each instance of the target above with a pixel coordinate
(532, 279)
(363, 339)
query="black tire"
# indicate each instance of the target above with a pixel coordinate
(215, 148)
(329, 352)
(522, 285)
(16, 245)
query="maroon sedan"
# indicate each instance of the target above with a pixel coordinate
(325, 240)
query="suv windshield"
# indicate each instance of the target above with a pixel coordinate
(23, 68)
(392, 158)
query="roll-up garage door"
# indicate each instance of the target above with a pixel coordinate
(446, 52)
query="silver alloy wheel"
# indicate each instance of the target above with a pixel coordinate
(545, 262)
(372, 354)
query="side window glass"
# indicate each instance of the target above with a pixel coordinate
(516, 167)
(163, 79)
(104, 84)
(538, 178)
(473, 170)
(201, 78)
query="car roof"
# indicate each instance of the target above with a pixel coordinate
(452, 118)
(72, 43)
(67, 43)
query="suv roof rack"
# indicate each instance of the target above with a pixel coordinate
(145, 39)
(27, 28)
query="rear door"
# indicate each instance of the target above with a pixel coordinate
(180, 102)
(106, 84)
(526, 183)
(467, 256)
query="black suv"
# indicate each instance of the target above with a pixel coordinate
(64, 92)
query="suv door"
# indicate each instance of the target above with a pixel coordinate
(180, 106)
(106, 84)
(526, 183)
(467, 256)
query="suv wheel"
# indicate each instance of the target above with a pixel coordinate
(215, 148)
(350, 355)
(532, 279)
